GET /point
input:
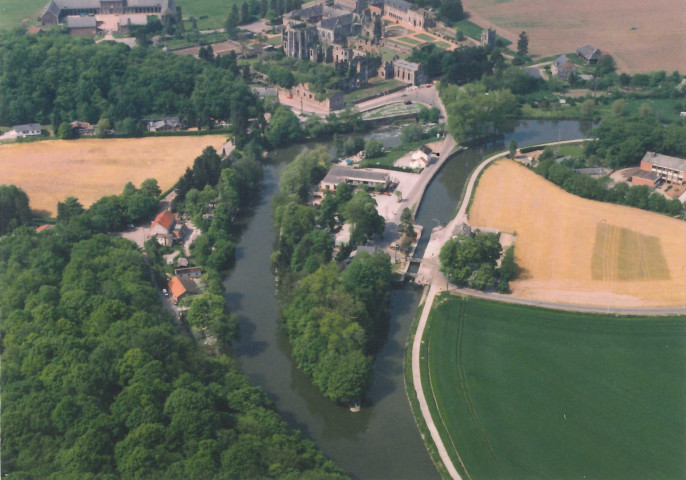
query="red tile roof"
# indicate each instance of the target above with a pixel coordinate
(176, 288)
(43, 227)
(165, 219)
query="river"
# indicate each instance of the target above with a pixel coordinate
(381, 441)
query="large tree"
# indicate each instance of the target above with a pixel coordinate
(14, 208)
(523, 44)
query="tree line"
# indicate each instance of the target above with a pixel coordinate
(335, 319)
(639, 196)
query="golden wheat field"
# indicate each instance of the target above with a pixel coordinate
(641, 35)
(579, 251)
(50, 171)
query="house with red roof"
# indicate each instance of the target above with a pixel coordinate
(162, 228)
(179, 287)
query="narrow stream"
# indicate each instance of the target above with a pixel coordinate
(382, 441)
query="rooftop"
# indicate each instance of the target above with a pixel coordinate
(81, 22)
(646, 174)
(588, 52)
(665, 161)
(165, 219)
(26, 127)
(341, 174)
(406, 64)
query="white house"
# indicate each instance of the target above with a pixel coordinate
(28, 130)
(421, 157)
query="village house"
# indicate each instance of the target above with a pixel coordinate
(589, 53)
(180, 287)
(27, 130)
(355, 177)
(188, 272)
(421, 157)
(162, 227)
(668, 169)
(166, 124)
(82, 128)
(562, 68)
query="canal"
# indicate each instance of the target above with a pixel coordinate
(381, 441)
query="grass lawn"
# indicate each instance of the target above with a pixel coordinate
(470, 29)
(404, 41)
(12, 12)
(373, 89)
(390, 157)
(524, 392)
(424, 36)
(275, 40)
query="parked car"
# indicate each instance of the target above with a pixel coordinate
(408, 102)
(165, 292)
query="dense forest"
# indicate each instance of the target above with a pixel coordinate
(98, 384)
(335, 319)
(55, 78)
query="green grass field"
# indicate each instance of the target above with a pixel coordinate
(210, 14)
(12, 12)
(524, 393)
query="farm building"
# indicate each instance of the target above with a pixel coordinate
(668, 169)
(589, 53)
(354, 176)
(56, 11)
(82, 26)
(128, 21)
(28, 130)
(562, 68)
